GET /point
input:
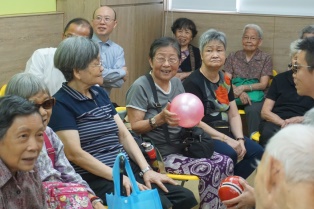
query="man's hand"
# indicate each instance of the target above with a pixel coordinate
(157, 178)
(126, 73)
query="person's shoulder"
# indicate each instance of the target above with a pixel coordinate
(45, 51)
(114, 44)
(263, 53)
(194, 77)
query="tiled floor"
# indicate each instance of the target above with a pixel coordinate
(192, 185)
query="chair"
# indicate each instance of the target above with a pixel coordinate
(255, 136)
(182, 177)
(2, 90)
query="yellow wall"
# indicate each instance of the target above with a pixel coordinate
(8, 7)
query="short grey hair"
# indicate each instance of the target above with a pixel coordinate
(293, 47)
(26, 85)
(255, 27)
(75, 53)
(307, 29)
(294, 151)
(309, 117)
(212, 35)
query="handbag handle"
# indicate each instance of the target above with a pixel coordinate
(116, 175)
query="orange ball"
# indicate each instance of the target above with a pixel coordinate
(230, 188)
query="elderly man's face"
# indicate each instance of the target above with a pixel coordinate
(22, 143)
(304, 77)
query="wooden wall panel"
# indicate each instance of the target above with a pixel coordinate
(74, 8)
(20, 36)
(279, 31)
(135, 33)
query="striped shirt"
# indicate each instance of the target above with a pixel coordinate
(92, 118)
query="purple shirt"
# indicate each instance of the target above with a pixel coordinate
(24, 190)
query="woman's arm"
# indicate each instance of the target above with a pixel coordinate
(75, 154)
(268, 115)
(263, 83)
(136, 155)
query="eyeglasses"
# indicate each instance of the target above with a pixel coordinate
(106, 19)
(296, 67)
(171, 60)
(97, 65)
(247, 38)
(48, 104)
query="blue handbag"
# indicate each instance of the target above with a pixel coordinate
(137, 199)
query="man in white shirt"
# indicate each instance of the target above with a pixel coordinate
(41, 62)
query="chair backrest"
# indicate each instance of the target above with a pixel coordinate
(274, 74)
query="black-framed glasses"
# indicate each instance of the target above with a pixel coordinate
(48, 104)
(296, 67)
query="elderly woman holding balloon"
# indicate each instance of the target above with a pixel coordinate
(146, 120)
(214, 89)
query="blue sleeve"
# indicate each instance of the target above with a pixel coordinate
(62, 118)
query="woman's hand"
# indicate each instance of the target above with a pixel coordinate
(170, 118)
(245, 200)
(293, 120)
(158, 179)
(235, 145)
(98, 205)
(238, 90)
(128, 187)
(243, 150)
(245, 99)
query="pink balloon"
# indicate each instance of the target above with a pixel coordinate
(189, 108)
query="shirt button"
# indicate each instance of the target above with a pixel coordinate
(18, 192)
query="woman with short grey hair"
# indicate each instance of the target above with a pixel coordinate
(32, 88)
(214, 89)
(250, 70)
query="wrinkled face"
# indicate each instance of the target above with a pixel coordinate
(40, 99)
(92, 75)
(251, 40)
(104, 21)
(213, 55)
(304, 77)
(21, 145)
(77, 30)
(184, 36)
(165, 63)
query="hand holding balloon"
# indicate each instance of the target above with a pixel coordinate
(169, 117)
(189, 109)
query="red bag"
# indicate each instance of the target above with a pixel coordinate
(61, 195)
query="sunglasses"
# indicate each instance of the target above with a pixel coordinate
(48, 104)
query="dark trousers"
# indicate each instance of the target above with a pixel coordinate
(247, 165)
(178, 197)
(253, 116)
(267, 130)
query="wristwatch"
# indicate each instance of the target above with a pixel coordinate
(145, 170)
(152, 122)
(94, 200)
(240, 138)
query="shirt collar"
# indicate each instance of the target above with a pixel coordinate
(97, 40)
(256, 56)
(76, 94)
(5, 174)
